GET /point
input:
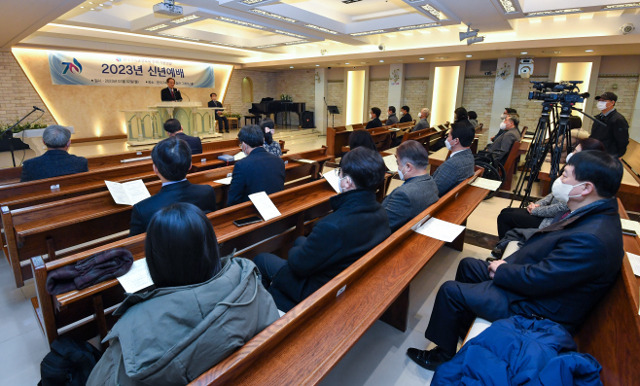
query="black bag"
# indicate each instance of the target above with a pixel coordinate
(68, 363)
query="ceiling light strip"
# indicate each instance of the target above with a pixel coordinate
(419, 26)
(556, 12)
(377, 31)
(156, 27)
(507, 6)
(289, 34)
(185, 19)
(253, 2)
(296, 42)
(241, 22)
(434, 12)
(621, 6)
(272, 15)
(327, 30)
(267, 46)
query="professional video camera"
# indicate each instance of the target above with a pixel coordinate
(567, 91)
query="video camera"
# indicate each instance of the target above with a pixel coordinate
(567, 92)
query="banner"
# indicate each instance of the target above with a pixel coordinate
(88, 69)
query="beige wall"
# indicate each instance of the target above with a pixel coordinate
(95, 111)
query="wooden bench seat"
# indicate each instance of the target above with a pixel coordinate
(47, 228)
(427, 137)
(311, 338)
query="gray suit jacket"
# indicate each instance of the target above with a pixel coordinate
(501, 147)
(409, 200)
(453, 171)
(422, 124)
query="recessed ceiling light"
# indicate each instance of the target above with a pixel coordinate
(588, 50)
(523, 53)
(290, 66)
(347, 63)
(381, 61)
(317, 65)
(82, 6)
(469, 55)
(556, 52)
(420, 58)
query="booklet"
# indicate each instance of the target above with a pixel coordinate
(265, 206)
(390, 163)
(441, 230)
(333, 178)
(128, 193)
(138, 277)
(486, 183)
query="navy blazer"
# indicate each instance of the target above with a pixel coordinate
(202, 196)
(563, 270)
(166, 96)
(259, 171)
(52, 163)
(409, 200)
(358, 224)
(195, 144)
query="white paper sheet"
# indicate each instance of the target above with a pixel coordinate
(635, 263)
(239, 156)
(333, 178)
(628, 225)
(265, 206)
(486, 183)
(304, 160)
(128, 193)
(390, 162)
(440, 230)
(138, 277)
(224, 181)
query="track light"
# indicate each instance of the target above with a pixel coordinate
(469, 34)
(477, 39)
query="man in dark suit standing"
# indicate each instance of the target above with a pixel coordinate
(171, 162)
(56, 161)
(222, 120)
(174, 128)
(170, 93)
(419, 189)
(357, 224)
(560, 273)
(259, 171)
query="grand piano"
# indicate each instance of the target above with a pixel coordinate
(269, 106)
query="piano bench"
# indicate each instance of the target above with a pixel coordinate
(252, 119)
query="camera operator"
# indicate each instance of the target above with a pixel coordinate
(611, 128)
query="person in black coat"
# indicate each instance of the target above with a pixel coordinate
(611, 128)
(170, 93)
(406, 117)
(375, 119)
(358, 224)
(174, 129)
(560, 273)
(259, 171)
(222, 120)
(171, 162)
(55, 161)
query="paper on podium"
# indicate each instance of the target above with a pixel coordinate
(630, 226)
(635, 263)
(128, 193)
(239, 156)
(138, 277)
(265, 206)
(333, 178)
(486, 183)
(390, 162)
(440, 230)
(224, 181)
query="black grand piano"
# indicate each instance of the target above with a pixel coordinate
(269, 106)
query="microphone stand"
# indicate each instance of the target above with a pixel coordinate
(11, 137)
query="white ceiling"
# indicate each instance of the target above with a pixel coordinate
(272, 33)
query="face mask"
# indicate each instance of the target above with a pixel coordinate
(503, 125)
(561, 190)
(569, 157)
(447, 144)
(371, 116)
(601, 105)
(400, 174)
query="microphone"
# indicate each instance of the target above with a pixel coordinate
(38, 108)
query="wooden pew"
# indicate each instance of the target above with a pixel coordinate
(299, 206)
(311, 338)
(425, 136)
(632, 156)
(47, 228)
(12, 175)
(612, 331)
(337, 138)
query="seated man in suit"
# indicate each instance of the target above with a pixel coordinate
(174, 129)
(460, 164)
(170, 93)
(501, 147)
(358, 224)
(419, 189)
(559, 274)
(222, 120)
(259, 171)
(375, 119)
(423, 120)
(55, 161)
(171, 162)
(406, 117)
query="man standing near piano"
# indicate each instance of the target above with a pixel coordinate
(222, 120)
(170, 93)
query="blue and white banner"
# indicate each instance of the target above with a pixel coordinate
(88, 69)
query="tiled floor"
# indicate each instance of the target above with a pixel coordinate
(377, 359)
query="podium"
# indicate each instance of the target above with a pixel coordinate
(182, 111)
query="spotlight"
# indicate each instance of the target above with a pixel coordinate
(477, 39)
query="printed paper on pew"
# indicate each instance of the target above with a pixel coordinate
(128, 193)
(440, 230)
(224, 181)
(305, 161)
(138, 277)
(630, 226)
(333, 178)
(390, 163)
(486, 183)
(635, 263)
(239, 156)
(265, 206)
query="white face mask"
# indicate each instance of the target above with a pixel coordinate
(569, 157)
(447, 144)
(503, 125)
(561, 190)
(601, 105)
(400, 174)
(371, 116)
